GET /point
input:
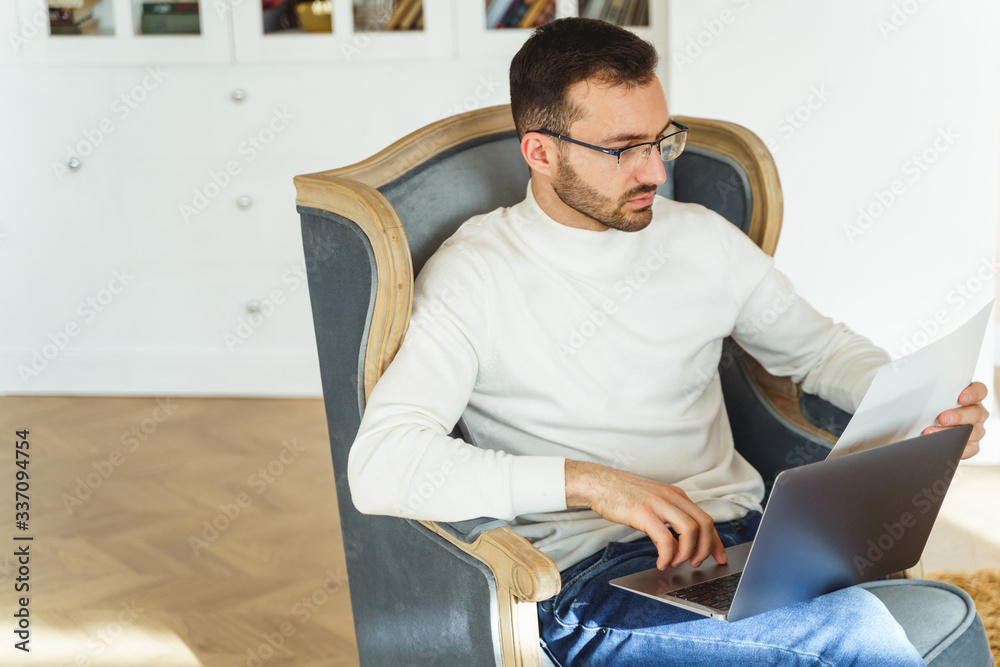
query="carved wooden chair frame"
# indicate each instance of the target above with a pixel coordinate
(524, 575)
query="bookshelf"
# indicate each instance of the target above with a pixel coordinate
(119, 39)
(331, 31)
(243, 31)
(486, 28)
(362, 30)
(96, 18)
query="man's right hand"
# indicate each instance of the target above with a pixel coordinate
(647, 506)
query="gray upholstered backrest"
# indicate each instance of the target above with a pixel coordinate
(435, 198)
(715, 181)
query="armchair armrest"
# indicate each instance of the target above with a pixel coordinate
(823, 414)
(786, 399)
(523, 576)
(469, 530)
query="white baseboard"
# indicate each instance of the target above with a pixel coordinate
(261, 373)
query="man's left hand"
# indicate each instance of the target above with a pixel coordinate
(972, 412)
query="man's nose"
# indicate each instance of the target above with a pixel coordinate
(653, 171)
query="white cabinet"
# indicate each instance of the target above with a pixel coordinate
(183, 150)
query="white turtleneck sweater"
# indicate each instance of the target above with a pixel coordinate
(561, 343)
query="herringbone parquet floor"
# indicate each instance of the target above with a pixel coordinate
(204, 531)
(187, 531)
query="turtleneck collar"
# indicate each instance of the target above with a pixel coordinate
(575, 249)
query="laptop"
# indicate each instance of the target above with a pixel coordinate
(828, 525)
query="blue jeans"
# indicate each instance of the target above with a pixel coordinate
(592, 623)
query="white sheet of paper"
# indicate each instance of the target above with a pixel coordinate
(909, 393)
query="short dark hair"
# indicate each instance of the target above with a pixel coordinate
(564, 52)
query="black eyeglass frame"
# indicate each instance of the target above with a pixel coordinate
(617, 153)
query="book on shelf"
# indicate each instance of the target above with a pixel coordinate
(519, 13)
(495, 12)
(72, 4)
(639, 13)
(178, 23)
(547, 15)
(315, 15)
(371, 15)
(631, 13)
(592, 9)
(84, 27)
(611, 11)
(619, 12)
(65, 16)
(406, 15)
(409, 20)
(168, 7)
(534, 13)
(514, 15)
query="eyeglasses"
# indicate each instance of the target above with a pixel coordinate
(633, 158)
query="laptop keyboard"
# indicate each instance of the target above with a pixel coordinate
(717, 593)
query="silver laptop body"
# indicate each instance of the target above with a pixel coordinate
(828, 525)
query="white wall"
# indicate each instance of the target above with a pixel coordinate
(869, 86)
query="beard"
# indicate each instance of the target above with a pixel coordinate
(583, 198)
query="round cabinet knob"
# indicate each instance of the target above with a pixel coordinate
(74, 163)
(239, 95)
(253, 306)
(244, 202)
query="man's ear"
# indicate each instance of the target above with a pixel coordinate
(541, 153)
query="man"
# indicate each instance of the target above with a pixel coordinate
(574, 331)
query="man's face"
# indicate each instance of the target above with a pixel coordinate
(590, 182)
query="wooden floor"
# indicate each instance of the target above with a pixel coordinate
(963, 539)
(212, 536)
(126, 566)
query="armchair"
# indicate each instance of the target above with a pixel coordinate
(464, 593)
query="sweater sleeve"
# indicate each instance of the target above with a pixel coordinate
(789, 337)
(403, 462)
